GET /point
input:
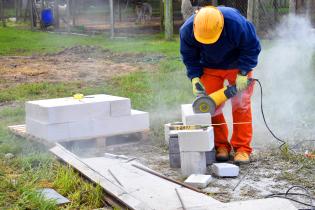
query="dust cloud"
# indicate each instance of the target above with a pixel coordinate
(286, 71)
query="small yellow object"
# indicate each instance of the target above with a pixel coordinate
(78, 96)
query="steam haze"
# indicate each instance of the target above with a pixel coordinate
(286, 71)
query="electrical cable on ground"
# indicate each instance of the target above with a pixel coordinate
(287, 193)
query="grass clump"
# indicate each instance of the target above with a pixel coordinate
(303, 171)
(82, 194)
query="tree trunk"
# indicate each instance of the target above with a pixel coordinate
(168, 14)
(2, 13)
(68, 15)
(32, 14)
(186, 9)
(112, 22)
(161, 16)
(292, 6)
(56, 14)
(253, 12)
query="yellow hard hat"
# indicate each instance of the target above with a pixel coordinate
(208, 25)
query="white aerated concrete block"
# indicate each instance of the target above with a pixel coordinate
(91, 128)
(190, 118)
(119, 106)
(138, 121)
(196, 140)
(193, 163)
(225, 169)
(64, 110)
(49, 132)
(198, 180)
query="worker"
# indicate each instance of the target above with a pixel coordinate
(218, 44)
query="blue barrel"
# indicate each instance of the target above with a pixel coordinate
(47, 17)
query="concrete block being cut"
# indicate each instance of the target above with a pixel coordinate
(198, 180)
(65, 110)
(136, 122)
(196, 140)
(225, 170)
(193, 163)
(190, 118)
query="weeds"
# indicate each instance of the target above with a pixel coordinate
(82, 194)
(298, 170)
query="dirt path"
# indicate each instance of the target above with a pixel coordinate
(79, 63)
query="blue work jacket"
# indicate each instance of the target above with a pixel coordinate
(237, 48)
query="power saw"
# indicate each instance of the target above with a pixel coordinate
(209, 103)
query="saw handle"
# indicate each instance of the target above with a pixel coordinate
(231, 90)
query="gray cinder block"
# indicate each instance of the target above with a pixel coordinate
(174, 160)
(193, 163)
(173, 145)
(210, 157)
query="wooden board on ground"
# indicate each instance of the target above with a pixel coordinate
(135, 188)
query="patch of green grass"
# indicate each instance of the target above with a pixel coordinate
(29, 91)
(24, 42)
(82, 194)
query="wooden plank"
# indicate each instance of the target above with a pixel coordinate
(110, 187)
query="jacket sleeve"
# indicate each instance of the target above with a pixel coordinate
(249, 47)
(190, 56)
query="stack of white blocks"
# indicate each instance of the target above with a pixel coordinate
(65, 119)
(194, 143)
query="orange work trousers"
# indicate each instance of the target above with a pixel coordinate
(213, 80)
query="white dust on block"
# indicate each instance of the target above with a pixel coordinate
(225, 169)
(136, 122)
(198, 180)
(193, 163)
(196, 140)
(190, 118)
(64, 110)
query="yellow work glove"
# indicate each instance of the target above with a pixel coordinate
(198, 88)
(241, 82)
